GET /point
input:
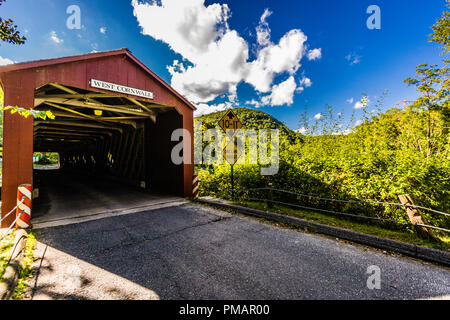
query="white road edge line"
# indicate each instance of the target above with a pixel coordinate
(77, 220)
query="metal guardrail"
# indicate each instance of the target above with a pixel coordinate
(356, 201)
(350, 201)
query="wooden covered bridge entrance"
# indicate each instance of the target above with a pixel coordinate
(114, 119)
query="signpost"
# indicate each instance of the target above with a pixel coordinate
(231, 122)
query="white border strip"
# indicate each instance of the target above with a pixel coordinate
(25, 192)
(76, 220)
(25, 208)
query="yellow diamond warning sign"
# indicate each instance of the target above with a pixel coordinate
(232, 153)
(230, 121)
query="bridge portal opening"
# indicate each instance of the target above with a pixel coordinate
(114, 152)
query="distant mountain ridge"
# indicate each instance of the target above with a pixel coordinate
(251, 119)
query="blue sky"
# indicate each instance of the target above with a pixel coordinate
(218, 62)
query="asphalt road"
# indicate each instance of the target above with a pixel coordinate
(195, 252)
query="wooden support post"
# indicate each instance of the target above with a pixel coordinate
(100, 154)
(134, 161)
(107, 150)
(270, 195)
(129, 154)
(232, 182)
(122, 153)
(415, 218)
(413, 214)
(141, 158)
(116, 143)
(131, 161)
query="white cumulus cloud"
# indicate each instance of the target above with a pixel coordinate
(55, 38)
(254, 102)
(5, 61)
(204, 108)
(215, 57)
(306, 82)
(275, 59)
(351, 100)
(302, 130)
(318, 116)
(359, 105)
(364, 102)
(343, 132)
(263, 30)
(282, 94)
(314, 54)
(353, 58)
(215, 54)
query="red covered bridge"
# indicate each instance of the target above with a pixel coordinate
(114, 119)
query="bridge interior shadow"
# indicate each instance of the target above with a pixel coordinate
(67, 194)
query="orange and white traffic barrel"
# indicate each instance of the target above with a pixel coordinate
(24, 193)
(195, 187)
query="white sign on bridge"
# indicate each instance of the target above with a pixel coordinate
(120, 88)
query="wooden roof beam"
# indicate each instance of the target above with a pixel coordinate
(77, 124)
(91, 105)
(75, 134)
(69, 130)
(77, 96)
(152, 113)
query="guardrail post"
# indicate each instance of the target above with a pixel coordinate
(195, 187)
(23, 213)
(270, 195)
(416, 218)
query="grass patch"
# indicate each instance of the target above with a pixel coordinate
(6, 245)
(25, 272)
(35, 165)
(367, 228)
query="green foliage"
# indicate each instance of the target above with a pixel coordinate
(47, 158)
(6, 246)
(25, 272)
(252, 119)
(379, 160)
(22, 112)
(441, 30)
(362, 227)
(29, 112)
(8, 31)
(433, 86)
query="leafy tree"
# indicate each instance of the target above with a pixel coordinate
(22, 112)
(9, 34)
(8, 31)
(441, 30)
(433, 85)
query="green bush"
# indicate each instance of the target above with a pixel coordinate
(377, 162)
